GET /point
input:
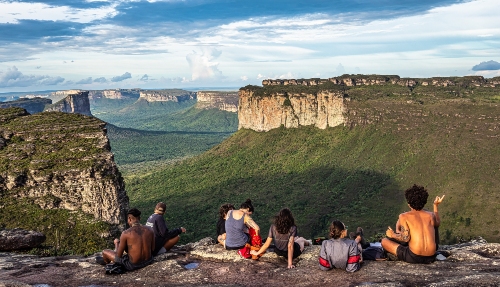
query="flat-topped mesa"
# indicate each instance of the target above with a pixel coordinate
(263, 113)
(77, 103)
(173, 95)
(361, 80)
(61, 161)
(225, 101)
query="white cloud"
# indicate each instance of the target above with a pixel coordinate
(244, 78)
(12, 12)
(202, 65)
(14, 78)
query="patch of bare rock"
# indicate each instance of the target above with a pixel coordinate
(16, 239)
(475, 263)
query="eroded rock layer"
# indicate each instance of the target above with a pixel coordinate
(73, 103)
(173, 95)
(225, 101)
(291, 110)
(60, 160)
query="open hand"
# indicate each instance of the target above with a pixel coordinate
(438, 200)
(254, 252)
(291, 266)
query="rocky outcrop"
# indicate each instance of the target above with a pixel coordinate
(16, 239)
(61, 160)
(173, 95)
(206, 264)
(73, 103)
(225, 101)
(263, 113)
(33, 106)
(364, 80)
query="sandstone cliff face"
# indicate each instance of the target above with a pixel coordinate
(225, 101)
(61, 160)
(173, 95)
(263, 113)
(73, 103)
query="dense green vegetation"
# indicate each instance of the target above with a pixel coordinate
(356, 174)
(164, 116)
(137, 152)
(67, 232)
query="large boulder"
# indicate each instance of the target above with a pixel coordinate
(15, 239)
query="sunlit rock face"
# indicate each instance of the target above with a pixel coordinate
(74, 103)
(225, 101)
(173, 95)
(263, 113)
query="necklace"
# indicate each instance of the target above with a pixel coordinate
(136, 224)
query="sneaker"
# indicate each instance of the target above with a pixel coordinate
(310, 242)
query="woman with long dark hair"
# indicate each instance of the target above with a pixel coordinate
(284, 234)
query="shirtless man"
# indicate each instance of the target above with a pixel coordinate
(417, 227)
(164, 238)
(138, 241)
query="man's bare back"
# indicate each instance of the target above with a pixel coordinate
(138, 241)
(417, 227)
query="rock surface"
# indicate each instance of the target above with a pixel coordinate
(173, 95)
(323, 109)
(73, 103)
(79, 174)
(476, 263)
(225, 101)
(16, 239)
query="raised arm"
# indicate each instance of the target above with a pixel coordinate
(437, 219)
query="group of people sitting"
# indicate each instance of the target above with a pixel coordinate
(414, 240)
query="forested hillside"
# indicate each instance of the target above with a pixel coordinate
(356, 173)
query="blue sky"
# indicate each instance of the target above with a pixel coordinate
(67, 44)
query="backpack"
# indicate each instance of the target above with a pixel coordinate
(374, 253)
(113, 268)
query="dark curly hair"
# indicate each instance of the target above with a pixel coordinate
(336, 229)
(247, 204)
(416, 196)
(284, 221)
(224, 209)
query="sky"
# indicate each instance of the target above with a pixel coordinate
(153, 44)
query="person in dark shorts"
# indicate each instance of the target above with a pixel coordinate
(165, 239)
(138, 241)
(417, 227)
(284, 234)
(221, 224)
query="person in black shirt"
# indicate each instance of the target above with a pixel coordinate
(164, 238)
(221, 224)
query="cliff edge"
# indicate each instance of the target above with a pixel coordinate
(60, 161)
